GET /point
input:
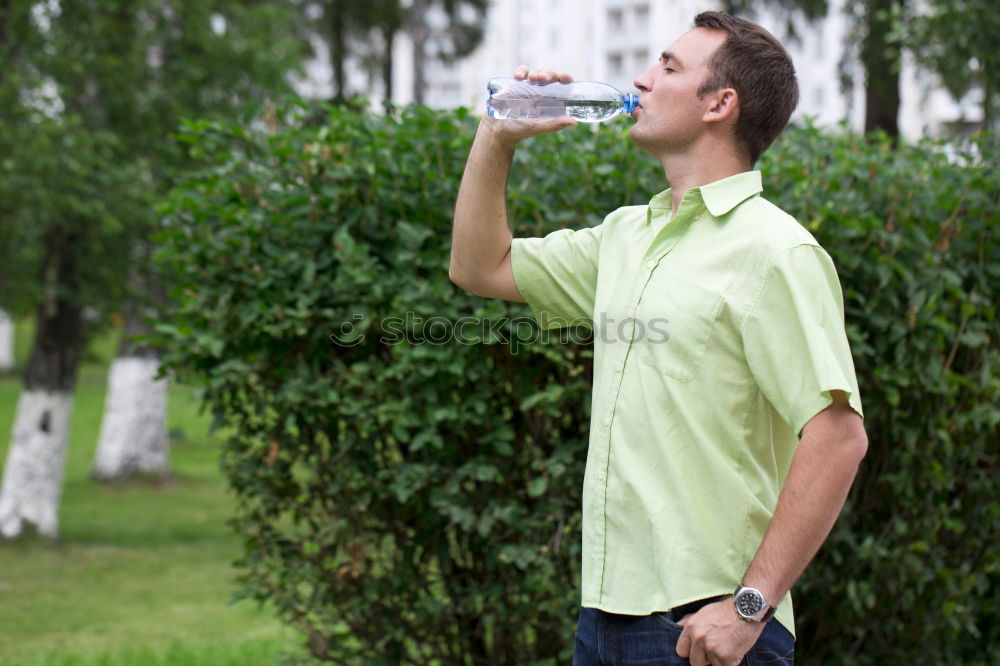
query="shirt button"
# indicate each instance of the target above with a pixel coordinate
(600, 475)
(620, 367)
(631, 313)
(698, 216)
(607, 421)
(650, 263)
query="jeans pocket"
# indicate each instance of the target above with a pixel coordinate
(666, 619)
(775, 647)
(765, 657)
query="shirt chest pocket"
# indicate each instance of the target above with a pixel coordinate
(679, 317)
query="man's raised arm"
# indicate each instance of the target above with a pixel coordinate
(481, 237)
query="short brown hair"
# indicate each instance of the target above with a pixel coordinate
(759, 69)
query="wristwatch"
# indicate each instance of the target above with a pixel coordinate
(750, 605)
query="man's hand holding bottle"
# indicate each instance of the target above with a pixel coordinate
(511, 131)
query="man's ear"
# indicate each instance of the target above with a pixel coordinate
(724, 103)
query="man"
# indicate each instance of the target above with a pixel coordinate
(751, 392)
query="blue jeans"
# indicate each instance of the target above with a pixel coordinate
(605, 639)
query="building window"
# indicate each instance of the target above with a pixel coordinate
(616, 20)
(615, 63)
(641, 17)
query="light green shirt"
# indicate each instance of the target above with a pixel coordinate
(717, 336)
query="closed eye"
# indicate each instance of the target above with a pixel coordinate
(666, 58)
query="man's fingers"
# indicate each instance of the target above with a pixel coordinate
(541, 75)
(548, 76)
(699, 657)
(535, 126)
(513, 131)
(684, 643)
(559, 123)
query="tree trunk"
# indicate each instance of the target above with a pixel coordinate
(388, 36)
(6, 342)
(419, 33)
(33, 473)
(881, 56)
(338, 50)
(987, 104)
(5, 60)
(133, 437)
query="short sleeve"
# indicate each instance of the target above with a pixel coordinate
(794, 337)
(557, 275)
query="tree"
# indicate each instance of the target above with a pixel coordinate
(954, 39)
(133, 437)
(338, 26)
(345, 26)
(879, 50)
(6, 342)
(69, 174)
(957, 39)
(366, 31)
(460, 34)
(881, 56)
(94, 91)
(385, 18)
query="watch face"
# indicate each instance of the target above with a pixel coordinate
(749, 603)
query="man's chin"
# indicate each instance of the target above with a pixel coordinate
(635, 135)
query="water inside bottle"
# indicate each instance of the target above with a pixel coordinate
(584, 110)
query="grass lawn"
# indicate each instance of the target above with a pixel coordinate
(142, 573)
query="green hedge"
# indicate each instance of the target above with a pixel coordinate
(911, 573)
(404, 499)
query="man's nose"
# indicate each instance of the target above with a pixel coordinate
(643, 81)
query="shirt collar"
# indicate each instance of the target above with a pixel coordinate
(724, 195)
(719, 197)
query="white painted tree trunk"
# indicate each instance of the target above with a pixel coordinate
(133, 436)
(6, 342)
(33, 473)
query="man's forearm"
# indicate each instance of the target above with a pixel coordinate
(821, 474)
(822, 471)
(481, 235)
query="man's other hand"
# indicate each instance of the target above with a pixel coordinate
(716, 635)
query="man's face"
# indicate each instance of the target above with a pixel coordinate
(670, 114)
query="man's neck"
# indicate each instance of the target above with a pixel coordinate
(691, 169)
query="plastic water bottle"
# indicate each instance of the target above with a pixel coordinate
(587, 101)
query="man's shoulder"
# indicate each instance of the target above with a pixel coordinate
(627, 220)
(770, 225)
(627, 214)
